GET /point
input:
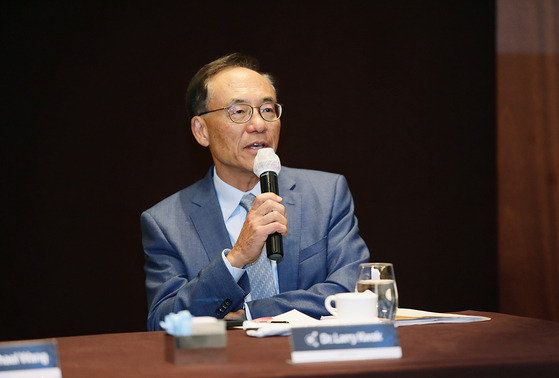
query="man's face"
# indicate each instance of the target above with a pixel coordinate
(234, 145)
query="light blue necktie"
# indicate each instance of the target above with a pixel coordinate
(260, 273)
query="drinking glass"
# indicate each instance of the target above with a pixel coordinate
(379, 278)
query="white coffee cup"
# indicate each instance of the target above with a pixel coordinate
(353, 307)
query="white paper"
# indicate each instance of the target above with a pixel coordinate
(406, 316)
(294, 318)
(265, 328)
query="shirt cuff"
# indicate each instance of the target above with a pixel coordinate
(236, 273)
(248, 315)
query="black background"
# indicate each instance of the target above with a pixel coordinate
(398, 96)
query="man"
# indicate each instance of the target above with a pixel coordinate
(201, 251)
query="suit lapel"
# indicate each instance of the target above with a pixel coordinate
(205, 214)
(288, 269)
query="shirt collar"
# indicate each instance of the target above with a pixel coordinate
(229, 196)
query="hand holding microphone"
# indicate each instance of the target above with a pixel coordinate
(267, 166)
(265, 222)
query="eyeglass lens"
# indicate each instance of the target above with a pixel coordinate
(242, 113)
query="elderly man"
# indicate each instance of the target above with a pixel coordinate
(204, 245)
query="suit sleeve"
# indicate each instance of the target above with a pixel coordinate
(338, 251)
(212, 292)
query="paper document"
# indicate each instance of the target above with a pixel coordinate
(278, 325)
(281, 325)
(406, 316)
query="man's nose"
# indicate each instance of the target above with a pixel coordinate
(257, 123)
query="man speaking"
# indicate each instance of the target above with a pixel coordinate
(205, 245)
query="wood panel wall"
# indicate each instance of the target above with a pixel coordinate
(528, 157)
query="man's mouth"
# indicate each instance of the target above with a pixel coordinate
(255, 146)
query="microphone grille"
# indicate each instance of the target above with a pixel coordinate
(266, 160)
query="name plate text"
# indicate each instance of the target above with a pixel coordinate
(344, 343)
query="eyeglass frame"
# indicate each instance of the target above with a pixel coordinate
(251, 111)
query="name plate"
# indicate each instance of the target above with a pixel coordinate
(29, 359)
(344, 343)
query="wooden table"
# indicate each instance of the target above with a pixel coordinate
(506, 346)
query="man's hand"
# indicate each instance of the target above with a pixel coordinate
(237, 315)
(266, 216)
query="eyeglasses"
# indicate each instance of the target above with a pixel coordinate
(242, 113)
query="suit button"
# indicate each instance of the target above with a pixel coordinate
(224, 306)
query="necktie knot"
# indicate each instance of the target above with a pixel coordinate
(246, 201)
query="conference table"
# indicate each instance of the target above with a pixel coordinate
(505, 346)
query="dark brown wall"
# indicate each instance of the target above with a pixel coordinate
(528, 157)
(397, 96)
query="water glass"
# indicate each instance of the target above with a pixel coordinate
(379, 278)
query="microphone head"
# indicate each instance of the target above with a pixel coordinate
(266, 160)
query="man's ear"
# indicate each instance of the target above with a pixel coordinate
(200, 131)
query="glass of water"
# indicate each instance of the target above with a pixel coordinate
(379, 278)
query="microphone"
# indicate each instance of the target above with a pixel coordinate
(267, 166)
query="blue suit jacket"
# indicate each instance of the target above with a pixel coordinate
(184, 235)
